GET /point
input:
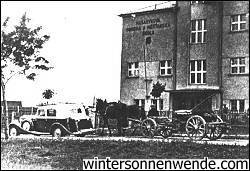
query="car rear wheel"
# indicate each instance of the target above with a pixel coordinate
(26, 126)
(57, 133)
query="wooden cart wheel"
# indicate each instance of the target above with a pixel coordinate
(214, 132)
(196, 127)
(148, 127)
(166, 132)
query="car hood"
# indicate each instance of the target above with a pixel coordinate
(27, 117)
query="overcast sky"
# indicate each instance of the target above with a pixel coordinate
(84, 48)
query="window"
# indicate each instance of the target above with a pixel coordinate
(241, 105)
(237, 105)
(148, 40)
(154, 102)
(133, 69)
(166, 67)
(161, 104)
(198, 72)
(51, 112)
(41, 112)
(197, 2)
(234, 105)
(158, 103)
(198, 31)
(238, 22)
(140, 102)
(238, 65)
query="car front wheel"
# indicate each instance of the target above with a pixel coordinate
(26, 126)
(13, 132)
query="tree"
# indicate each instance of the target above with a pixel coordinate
(48, 94)
(20, 55)
(158, 88)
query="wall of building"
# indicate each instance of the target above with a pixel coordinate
(183, 32)
(235, 44)
(209, 51)
(135, 31)
(172, 42)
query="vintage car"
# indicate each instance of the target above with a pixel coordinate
(57, 120)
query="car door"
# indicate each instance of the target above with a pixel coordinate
(51, 118)
(40, 121)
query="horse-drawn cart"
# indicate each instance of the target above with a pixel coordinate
(196, 124)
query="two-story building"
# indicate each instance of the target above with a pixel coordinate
(198, 49)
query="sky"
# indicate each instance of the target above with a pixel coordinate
(84, 48)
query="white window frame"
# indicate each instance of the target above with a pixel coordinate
(238, 22)
(197, 31)
(158, 106)
(238, 65)
(134, 71)
(196, 72)
(168, 65)
(141, 102)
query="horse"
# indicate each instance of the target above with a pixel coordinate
(119, 111)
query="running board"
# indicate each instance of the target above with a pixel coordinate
(84, 131)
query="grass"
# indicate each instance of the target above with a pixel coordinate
(68, 154)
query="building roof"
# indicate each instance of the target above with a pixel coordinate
(157, 8)
(13, 103)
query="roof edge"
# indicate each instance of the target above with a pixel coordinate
(170, 9)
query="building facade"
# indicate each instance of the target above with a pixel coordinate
(198, 49)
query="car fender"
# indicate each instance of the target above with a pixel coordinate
(57, 124)
(19, 129)
(28, 120)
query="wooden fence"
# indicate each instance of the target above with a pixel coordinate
(235, 118)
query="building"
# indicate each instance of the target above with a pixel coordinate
(17, 108)
(13, 106)
(199, 49)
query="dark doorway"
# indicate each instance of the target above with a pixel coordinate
(188, 100)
